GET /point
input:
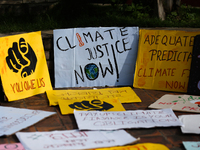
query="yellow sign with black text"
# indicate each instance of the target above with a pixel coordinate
(24, 70)
(106, 104)
(124, 94)
(142, 146)
(164, 59)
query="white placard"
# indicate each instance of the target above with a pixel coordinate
(73, 139)
(191, 123)
(96, 120)
(191, 145)
(16, 119)
(187, 103)
(87, 57)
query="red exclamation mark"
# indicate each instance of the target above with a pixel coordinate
(79, 39)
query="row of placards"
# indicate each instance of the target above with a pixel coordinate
(147, 146)
(104, 56)
(107, 127)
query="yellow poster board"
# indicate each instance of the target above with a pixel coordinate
(143, 146)
(106, 104)
(164, 59)
(124, 94)
(23, 66)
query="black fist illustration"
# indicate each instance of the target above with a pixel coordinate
(93, 105)
(21, 58)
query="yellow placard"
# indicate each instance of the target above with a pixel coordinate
(143, 146)
(124, 94)
(24, 70)
(106, 104)
(164, 59)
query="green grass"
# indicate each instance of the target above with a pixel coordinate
(72, 15)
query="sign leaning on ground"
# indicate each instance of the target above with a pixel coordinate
(95, 56)
(23, 66)
(164, 59)
(13, 119)
(124, 94)
(74, 139)
(113, 120)
(186, 103)
(142, 146)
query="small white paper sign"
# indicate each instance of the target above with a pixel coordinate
(96, 120)
(191, 145)
(191, 123)
(187, 103)
(15, 119)
(73, 139)
(87, 57)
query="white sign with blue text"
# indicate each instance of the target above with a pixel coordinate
(87, 57)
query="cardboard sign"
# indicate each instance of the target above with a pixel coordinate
(143, 146)
(187, 103)
(73, 139)
(88, 57)
(124, 94)
(13, 146)
(191, 123)
(16, 119)
(194, 80)
(164, 59)
(96, 120)
(68, 106)
(190, 145)
(23, 66)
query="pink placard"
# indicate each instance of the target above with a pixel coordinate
(12, 146)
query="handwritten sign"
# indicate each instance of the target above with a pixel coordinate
(187, 103)
(23, 66)
(191, 123)
(13, 146)
(143, 146)
(73, 139)
(68, 106)
(191, 145)
(95, 120)
(124, 94)
(87, 57)
(16, 119)
(164, 59)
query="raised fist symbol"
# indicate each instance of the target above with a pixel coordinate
(93, 105)
(21, 58)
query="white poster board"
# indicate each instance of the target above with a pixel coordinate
(96, 120)
(16, 119)
(191, 123)
(187, 103)
(87, 57)
(73, 139)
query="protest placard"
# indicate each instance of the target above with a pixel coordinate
(191, 145)
(73, 139)
(15, 119)
(142, 146)
(164, 59)
(96, 120)
(12, 146)
(106, 104)
(191, 123)
(88, 57)
(187, 103)
(23, 66)
(124, 94)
